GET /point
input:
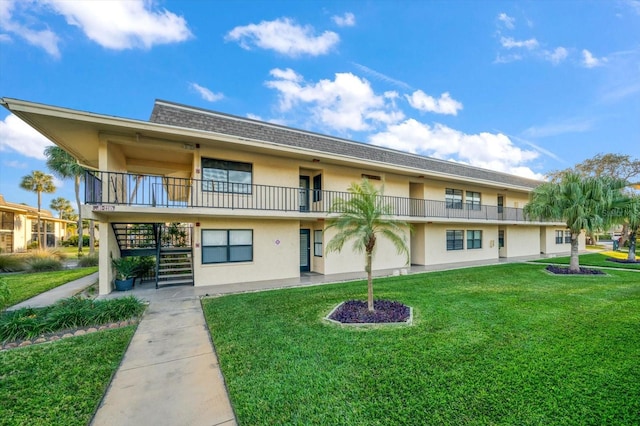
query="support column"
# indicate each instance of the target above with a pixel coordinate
(108, 248)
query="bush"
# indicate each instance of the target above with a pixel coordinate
(66, 314)
(44, 264)
(50, 253)
(72, 241)
(86, 261)
(12, 263)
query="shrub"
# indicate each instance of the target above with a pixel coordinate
(51, 253)
(86, 261)
(73, 241)
(12, 263)
(44, 264)
(70, 313)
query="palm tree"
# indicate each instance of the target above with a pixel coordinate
(63, 165)
(361, 217)
(584, 203)
(631, 217)
(61, 205)
(38, 182)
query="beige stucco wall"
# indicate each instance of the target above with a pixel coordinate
(385, 256)
(548, 241)
(275, 252)
(520, 240)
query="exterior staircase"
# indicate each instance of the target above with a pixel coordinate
(175, 267)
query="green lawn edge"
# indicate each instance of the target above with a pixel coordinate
(23, 286)
(60, 383)
(590, 259)
(506, 344)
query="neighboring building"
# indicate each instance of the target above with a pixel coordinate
(251, 198)
(19, 227)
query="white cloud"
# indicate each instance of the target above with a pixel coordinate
(505, 59)
(557, 56)
(507, 20)
(347, 20)
(14, 164)
(284, 36)
(487, 150)
(634, 5)
(18, 136)
(123, 24)
(423, 102)
(590, 61)
(345, 103)
(43, 38)
(205, 93)
(511, 43)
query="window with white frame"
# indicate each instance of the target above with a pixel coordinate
(559, 235)
(455, 239)
(474, 239)
(317, 188)
(226, 176)
(567, 237)
(473, 200)
(227, 245)
(453, 198)
(317, 243)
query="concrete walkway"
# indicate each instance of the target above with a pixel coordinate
(52, 296)
(170, 373)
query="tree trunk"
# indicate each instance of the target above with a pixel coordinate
(624, 235)
(574, 263)
(632, 245)
(92, 238)
(77, 188)
(369, 282)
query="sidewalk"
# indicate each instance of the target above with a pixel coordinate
(170, 373)
(52, 296)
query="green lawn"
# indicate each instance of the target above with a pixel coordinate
(591, 259)
(59, 383)
(506, 344)
(23, 286)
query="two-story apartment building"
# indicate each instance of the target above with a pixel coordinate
(252, 198)
(19, 227)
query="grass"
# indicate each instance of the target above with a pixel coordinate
(506, 344)
(59, 383)
(595, 259)
(24, 286)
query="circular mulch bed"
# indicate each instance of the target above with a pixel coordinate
(384, 312)
(613, 259)
(560, 270)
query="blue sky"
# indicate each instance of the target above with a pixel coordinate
(523, 87)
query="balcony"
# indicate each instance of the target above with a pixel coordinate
(110, 188)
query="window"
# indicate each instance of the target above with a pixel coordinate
(7, 221)
(500, 239)
(567, 237)
(473, 200)
(559, 235)
(455, 240)
(474, 240)
(227, 245)
(453, 198)
(317, 188)
(226, 176)
(370, 177)
(317, 243)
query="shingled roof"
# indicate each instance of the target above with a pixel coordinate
(179, 115)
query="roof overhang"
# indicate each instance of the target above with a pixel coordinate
(80, 134)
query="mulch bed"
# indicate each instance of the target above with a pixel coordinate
(561, 270)
(613, 259)
(384, 312)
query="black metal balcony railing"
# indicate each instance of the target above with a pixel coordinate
(161, 191)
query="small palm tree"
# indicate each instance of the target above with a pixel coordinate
(584, 203)
(63, 165)
(361, 217)
(60, 205)
(38, 182)
(630, 213)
